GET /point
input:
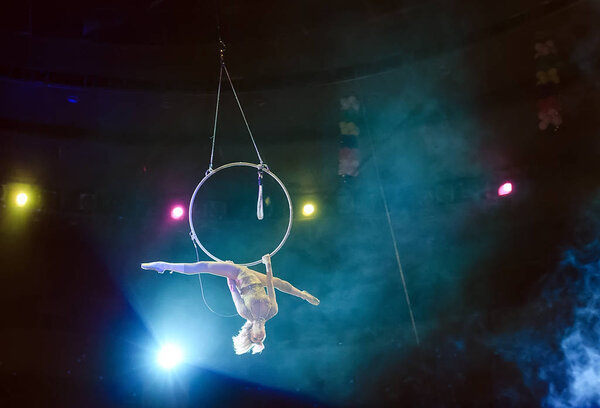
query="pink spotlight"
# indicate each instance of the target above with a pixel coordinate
(505, 189)
(177, 212)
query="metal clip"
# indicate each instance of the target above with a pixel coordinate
(222, 49)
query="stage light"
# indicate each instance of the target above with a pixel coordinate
(505, 189)
(177, 212)
(169, 356)
(73, 99)
(21, 199)
(21, 195)
(308, 209)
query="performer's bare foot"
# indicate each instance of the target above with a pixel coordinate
(155, 266)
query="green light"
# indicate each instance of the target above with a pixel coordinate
(21, 199)
(308, 209)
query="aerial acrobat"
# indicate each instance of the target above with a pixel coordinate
(246, 287)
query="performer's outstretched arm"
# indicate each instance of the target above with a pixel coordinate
(225, 269)
(286, 287)
(269, 283)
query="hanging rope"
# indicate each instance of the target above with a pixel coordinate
(390, 226)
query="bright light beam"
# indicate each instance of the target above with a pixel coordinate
(308, 209)
(177, 212)
(21, 199)
(169, 356)
(505, 189)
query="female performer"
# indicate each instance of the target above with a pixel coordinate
(246, 287)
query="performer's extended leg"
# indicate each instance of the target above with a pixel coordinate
(225, 269)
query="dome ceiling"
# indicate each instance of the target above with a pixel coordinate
(270, 43)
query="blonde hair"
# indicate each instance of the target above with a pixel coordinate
(242, 343)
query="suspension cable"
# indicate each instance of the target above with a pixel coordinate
(223, 67)
(242, 112)
(390, 226)
(214, 136)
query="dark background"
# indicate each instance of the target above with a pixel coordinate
(106, 113)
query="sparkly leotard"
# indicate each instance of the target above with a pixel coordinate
(253, 294)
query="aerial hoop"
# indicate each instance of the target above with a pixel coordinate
(261, 168)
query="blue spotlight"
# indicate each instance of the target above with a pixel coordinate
(73, 99)
(169, 356)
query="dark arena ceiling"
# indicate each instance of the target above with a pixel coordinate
(171, 44)
(168, 51)
(400, 121)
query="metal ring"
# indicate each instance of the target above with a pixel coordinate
(209, 174)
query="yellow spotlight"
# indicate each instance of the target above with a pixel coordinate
(21, 199)
(308, 210)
